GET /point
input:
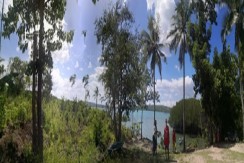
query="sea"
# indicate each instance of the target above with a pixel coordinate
(147, 119)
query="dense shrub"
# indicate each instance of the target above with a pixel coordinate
(72, 131)
(18, 110)
(193, 116)
(2, 114)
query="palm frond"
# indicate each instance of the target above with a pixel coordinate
(160, 45)
(180, 18)
(172, 32)
(163, 56)
(175, 42)
(153, 61)
(146, 38)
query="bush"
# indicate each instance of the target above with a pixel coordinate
(193, 116)
(74, 132)
(18, 110)
(2, 114)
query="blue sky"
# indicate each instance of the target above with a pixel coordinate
(81, 57)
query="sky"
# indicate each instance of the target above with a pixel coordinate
(81, 56)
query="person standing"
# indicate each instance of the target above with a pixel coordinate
(154, 148)
(166, 139)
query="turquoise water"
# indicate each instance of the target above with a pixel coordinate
(148, 125)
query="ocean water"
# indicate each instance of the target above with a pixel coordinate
(148, 122)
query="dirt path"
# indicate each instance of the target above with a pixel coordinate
(221, 153)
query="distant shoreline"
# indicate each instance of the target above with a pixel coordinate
(158, 108)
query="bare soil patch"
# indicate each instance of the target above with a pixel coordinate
(222, 153)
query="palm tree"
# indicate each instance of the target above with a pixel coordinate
(85, 80)
(178, 36)
(234, 18)
(96, 94)
(72, 79)
(152, 47)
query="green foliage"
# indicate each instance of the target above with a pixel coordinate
(10, 84)
(18, 110)
(120, 49)
(74, 132)
(234, 19)
(193, 116)
(226, 107)
(1, 66)
(198, 38)
(2, 113)
(216, 82)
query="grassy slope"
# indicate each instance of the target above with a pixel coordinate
(66, 139)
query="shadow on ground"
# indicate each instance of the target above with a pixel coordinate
(224, 145)
(136, 156)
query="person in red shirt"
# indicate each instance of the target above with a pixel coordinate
(166, 139)
(174, 140)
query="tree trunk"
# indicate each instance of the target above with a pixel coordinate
(184, 141)
(34, 127)
(115, 124)
(141, 121)
(115, 121)
(211, 131)
(40, 71)
(39, 115)
(120, 107)
(242, 103)
(120, 120)
(154, 83)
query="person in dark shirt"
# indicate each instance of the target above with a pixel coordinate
(154, 138)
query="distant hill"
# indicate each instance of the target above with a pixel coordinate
(159, 108)
(91, 104)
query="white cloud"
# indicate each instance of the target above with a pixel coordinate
(90, 65)
(171, 91)
(63, 54)
(6, 4)
(81, 69)
(165, 9)
(17, 49)
(62, 86)
(93, 82)
(177, 67)
(150, 4)
(77, 64)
